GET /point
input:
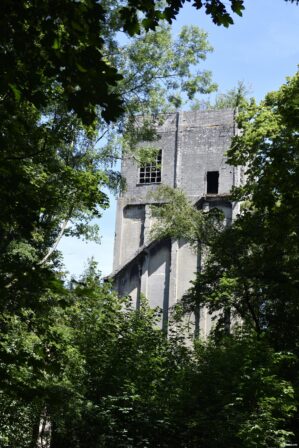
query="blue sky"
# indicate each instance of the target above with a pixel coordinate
(261, 49)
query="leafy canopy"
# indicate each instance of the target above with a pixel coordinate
(47, 44)
(55, 172)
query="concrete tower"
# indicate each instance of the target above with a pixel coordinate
(192, 157)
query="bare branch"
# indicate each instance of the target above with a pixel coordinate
(60, 235)
(101, 136)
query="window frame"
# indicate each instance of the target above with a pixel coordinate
(151, 173)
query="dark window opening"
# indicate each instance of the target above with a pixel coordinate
(150, 173)
(212, 182)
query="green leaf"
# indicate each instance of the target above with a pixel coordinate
(16, 91)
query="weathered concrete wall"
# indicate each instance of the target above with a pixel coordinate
(132, 230)
(135, 192)
(186, 268)
(158, 275)
(192, 143)
(203, 138)
(128, 283)
(148, 275)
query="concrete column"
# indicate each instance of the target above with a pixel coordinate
(166, 298)
(147, 225)
(144, 275)
(177, 153)
(117, 255)
(173, 274)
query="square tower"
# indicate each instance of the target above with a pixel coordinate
(191, 156)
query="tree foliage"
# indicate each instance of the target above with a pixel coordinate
(265, 235)
(98, 373)
(160, 74)
(232, 99)
(66, 43)
(117, 381)
(78, 359)
(251, 268)
(237, 386)
(177, 217)
(54, 169)
(49, 43)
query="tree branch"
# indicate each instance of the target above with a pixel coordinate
(101, 136)
(251, 310)
(60, 235)
(28, 156)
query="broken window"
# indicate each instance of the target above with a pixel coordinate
(212, 182)
(150, 173)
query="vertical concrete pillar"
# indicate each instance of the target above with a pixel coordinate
(147, 224)
(166, 299)
(173, 274)
(177, 153)
(117, 256)
(144, 275)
